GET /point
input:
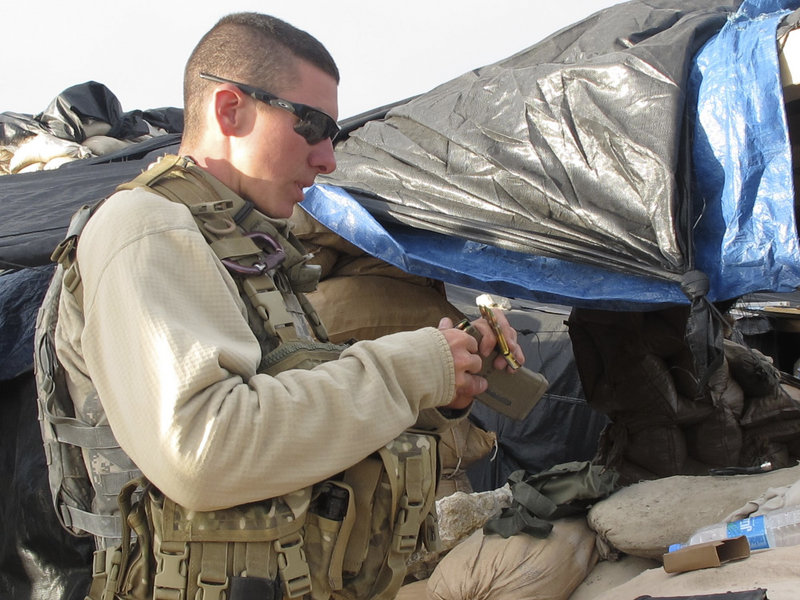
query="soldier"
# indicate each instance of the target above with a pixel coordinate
(186, 330)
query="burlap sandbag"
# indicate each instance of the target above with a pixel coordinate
(754, 371)
(776, 570)
(459, 447)
(368, 306)
(362, 297)
(645, 518)
(416, 590)
(659, 447)
(494, 568)
(608, 574)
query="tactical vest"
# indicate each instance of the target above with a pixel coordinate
(348, 537)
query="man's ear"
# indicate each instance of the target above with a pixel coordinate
(232, 111)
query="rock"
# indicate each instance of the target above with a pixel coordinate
(460, 514)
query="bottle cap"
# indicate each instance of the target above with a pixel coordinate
(674, 547)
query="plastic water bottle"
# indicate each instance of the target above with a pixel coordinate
(776, 528)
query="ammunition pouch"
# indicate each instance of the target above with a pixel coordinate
(346, 538)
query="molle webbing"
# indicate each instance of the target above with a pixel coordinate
(347, 538)
(66, 436)
(276, 294)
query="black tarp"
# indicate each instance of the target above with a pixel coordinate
(39, 560)
(37, 207)
(573, 148)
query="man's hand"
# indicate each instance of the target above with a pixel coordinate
(489, 340)
(467, 355)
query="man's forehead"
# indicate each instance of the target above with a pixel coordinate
(312, 86)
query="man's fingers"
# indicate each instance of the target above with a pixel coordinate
(489, 340)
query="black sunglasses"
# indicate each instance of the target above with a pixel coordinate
(314, 125)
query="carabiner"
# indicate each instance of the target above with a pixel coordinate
(270, 261)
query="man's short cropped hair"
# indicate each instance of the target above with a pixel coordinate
(253, 48)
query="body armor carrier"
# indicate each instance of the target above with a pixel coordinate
(348, 537)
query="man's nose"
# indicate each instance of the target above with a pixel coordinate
(322, 157)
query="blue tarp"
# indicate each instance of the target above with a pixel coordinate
(746, 236)
(483, 266)
(741, 195)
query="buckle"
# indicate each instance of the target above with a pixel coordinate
(64, 248)
(407, 526)
(208, 590)
(205, 208)
(171, 572)
(292, 566)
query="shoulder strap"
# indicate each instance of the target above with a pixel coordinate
(268, 262)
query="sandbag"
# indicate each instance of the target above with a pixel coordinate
(725, 390)
(666, 420)
(659, 448)
(369, 306)
(717, 441)
(40, 151)
(645, 518)
(495, 568)
(415, 590)
(459, 447)
(753, 370)
(362, 297)
(608, 574)
(775, 570)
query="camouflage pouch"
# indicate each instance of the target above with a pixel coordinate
(346, 538)
(394, 511)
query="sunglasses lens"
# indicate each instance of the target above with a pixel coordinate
(315, 126)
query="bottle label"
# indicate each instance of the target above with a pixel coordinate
(755, 530)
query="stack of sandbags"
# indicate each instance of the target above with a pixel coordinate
(84, 121)
(644, 519)
(637, 369)
(636, 525)
(44, 152)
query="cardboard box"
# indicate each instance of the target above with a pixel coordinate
(707, 554)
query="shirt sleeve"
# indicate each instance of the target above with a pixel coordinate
(168, 348)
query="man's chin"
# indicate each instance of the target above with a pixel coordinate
(284, 211)
(277, 210)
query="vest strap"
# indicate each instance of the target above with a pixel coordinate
(212, 580)
(292, 565)
(172, 567)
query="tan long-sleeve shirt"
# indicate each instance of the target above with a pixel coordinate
(164, 340)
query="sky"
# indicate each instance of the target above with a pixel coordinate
(385, 51)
